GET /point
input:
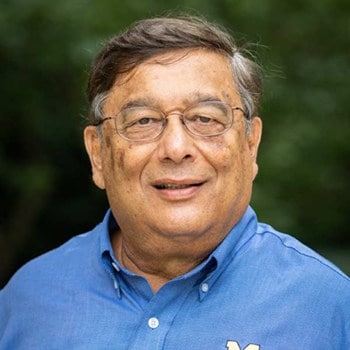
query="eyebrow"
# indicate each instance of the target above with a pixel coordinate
(194, 98)
(139, 102)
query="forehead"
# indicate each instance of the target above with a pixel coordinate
(179, 78)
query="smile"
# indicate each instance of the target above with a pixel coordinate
(175, 186)
(178, 190)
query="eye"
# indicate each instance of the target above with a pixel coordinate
(203, 119)
(207, 118)
(138, 118)
(207, 114)
(140, 123)
(198, 117)
(144, 121)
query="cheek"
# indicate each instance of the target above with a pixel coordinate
(121, 158)
(117, 174)
(109, 154)
(113, 157)
(124, 162)
(230, 158)
(114, 154)
(225, 156)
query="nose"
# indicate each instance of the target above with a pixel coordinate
(175, 143)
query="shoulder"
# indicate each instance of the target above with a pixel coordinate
(287, 275)
(294, 257)
(56, 275)
(61, 262)
(47, 288)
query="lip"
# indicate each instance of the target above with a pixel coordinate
(178, 189)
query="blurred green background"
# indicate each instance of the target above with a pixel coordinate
(46, 47)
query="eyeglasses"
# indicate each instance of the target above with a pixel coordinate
(204, 119)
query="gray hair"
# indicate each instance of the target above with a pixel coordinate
(151, 37)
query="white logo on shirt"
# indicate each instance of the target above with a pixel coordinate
(233, 345)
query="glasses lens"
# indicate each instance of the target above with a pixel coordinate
(208, 119)
(139, 123)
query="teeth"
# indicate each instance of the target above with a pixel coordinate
(172, 186)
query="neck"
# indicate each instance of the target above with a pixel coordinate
(159, 264)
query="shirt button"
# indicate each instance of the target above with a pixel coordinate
(205, 287)
(153, 322)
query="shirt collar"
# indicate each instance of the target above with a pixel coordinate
(225, 252)
(237, 237)
(212, 266)
(108, 225)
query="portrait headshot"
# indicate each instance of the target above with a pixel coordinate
(178, 256)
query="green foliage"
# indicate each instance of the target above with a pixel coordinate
(45, 51)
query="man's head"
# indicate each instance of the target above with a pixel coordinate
(191, 181)
(151, 37)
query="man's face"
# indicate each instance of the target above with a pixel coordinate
(180, 186)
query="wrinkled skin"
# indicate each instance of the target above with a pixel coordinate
(177, 197)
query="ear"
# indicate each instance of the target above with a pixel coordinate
(94, 149)
(254, 138)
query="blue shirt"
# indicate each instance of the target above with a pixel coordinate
(259, 289)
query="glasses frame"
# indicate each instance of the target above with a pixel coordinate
(181, 115)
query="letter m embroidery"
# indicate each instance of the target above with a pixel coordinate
(233, 345)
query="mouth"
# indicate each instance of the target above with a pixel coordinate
(172, 186)
(178, 190)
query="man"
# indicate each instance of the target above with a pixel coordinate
(179, 261)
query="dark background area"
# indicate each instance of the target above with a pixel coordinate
(46, 191)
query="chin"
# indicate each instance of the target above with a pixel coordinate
(184, 228)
